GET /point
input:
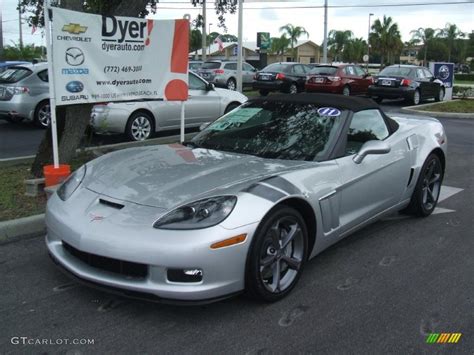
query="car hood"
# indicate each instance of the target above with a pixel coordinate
(170, 175)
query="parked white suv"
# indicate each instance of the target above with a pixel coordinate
(140, 119)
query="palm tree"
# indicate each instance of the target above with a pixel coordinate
(293, 32)
(354, 50)
(337, 42)
(423, 35)
(386, 39)
(279, 45)
(451, 32)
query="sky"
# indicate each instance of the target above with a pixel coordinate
(261, 16)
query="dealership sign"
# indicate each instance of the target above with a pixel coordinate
(107, 58)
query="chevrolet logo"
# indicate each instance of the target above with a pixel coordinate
(74, 28)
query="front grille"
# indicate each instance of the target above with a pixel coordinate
(116, 266)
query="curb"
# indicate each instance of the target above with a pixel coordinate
(21, 228)
(416, 109)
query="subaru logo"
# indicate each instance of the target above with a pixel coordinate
(75, 86)
(74, 56)
(443, 72)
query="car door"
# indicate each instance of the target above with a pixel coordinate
(352, 78)
(379, 181)
(299, 75)
(433, 86)
(247, 74)
(424, 83)
(203, 105)
(363, 79)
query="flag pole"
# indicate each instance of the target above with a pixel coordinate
(52, 97)
(182, 122)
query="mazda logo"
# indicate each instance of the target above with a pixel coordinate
(74, 56)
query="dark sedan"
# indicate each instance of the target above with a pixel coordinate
(409, 82)
(346, 79)
(283, 77)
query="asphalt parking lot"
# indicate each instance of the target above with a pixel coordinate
(381, 290)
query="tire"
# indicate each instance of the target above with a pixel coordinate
(346, 91)
(231, 106)
(416, 98)
(293, 89)
(140, 126)
(263, 92)
(260, 280)
(231, 84)
(440, 96)
(42, 115)
(427, 189)
(378, 100)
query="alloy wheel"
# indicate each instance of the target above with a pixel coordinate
(293, 89)
(141, 128)
(431, 185)
(231, 85)
(281, 254)
(44, 115)
(346, 91)
(416, 97)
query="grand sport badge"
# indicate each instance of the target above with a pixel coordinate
(74, 56)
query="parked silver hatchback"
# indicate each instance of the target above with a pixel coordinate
(224, 73)
(24, 94)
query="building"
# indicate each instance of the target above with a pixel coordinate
(306, 52)
(409, 55)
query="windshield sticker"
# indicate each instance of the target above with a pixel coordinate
(329, 111)
(234, 118)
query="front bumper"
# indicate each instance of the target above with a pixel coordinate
(116, 237)
(405, 92)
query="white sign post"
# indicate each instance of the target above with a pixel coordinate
(94, 58)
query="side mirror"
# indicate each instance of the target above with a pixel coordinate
(204, 125)
(210, 87)
(371, 147)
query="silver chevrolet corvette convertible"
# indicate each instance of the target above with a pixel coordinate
(247, 202)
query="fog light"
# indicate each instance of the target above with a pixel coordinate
(185, 275)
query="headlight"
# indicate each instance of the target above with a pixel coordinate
(72, 183)
(199, 214)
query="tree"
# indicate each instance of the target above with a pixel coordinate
(337, 41)
(437, 51)
(73, 120)
(355, 50)
(279, 45)
(195, 40)
(385, 38)
(293, 33)
(28, 52)
(451, 33)
(423, 36)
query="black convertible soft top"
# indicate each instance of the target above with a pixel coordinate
(351, 103)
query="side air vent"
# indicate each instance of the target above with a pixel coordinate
(412, 171)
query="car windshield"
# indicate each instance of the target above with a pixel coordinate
(274, 130)
(277, 67)
(211, 65)
(324, 70)
(397, 71)
(14, 75)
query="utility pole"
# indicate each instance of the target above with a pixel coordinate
(1, 36)
(325, 43)
(239, 46)
(368, 44)
(19, 24)
(204, 36)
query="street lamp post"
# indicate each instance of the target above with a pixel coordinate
(211, 41)
(368, 44)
